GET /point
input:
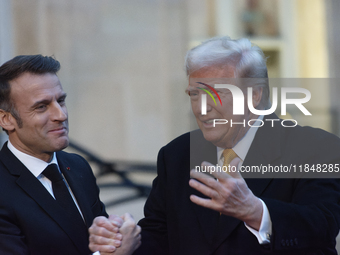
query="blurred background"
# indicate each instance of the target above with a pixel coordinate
(123, 69)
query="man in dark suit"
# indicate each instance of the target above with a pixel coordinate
(304, 213)
(192, 213)
(49, 198)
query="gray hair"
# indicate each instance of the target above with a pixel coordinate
(248, 59)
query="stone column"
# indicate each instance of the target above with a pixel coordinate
(6, 40)
(333, 35)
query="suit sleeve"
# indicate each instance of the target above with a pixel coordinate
(305, 213)
(154, 225)
(313, 215)
(12, 241)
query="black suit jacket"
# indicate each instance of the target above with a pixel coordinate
(31, 221)
(305, 213)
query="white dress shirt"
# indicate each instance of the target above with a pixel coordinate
(241, 149)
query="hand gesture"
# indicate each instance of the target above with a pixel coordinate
(104, 234)
(229, 195)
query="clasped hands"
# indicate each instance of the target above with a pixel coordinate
(114, 235)
(229, 195)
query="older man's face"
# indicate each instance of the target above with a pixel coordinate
(222, 135)
(40, 103)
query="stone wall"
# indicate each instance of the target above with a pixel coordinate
(122, 67)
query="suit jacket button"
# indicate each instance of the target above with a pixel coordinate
(283, 243)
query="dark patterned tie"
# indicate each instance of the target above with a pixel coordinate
(61, 193)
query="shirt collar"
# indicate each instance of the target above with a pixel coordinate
(242, 147)
(34, 165)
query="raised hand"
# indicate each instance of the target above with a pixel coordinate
(229, 195)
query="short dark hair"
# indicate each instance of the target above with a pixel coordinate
(12, 69)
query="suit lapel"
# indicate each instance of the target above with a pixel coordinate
(33, 187)
(73, 179)
(201, 150)
(265, 148)
(216, 228)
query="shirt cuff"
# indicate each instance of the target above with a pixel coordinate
(265, 231)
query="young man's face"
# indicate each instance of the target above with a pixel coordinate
(40, 103)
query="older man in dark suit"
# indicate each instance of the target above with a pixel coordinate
(49, 198)
(190, 213)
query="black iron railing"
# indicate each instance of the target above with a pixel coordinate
(121, 169)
